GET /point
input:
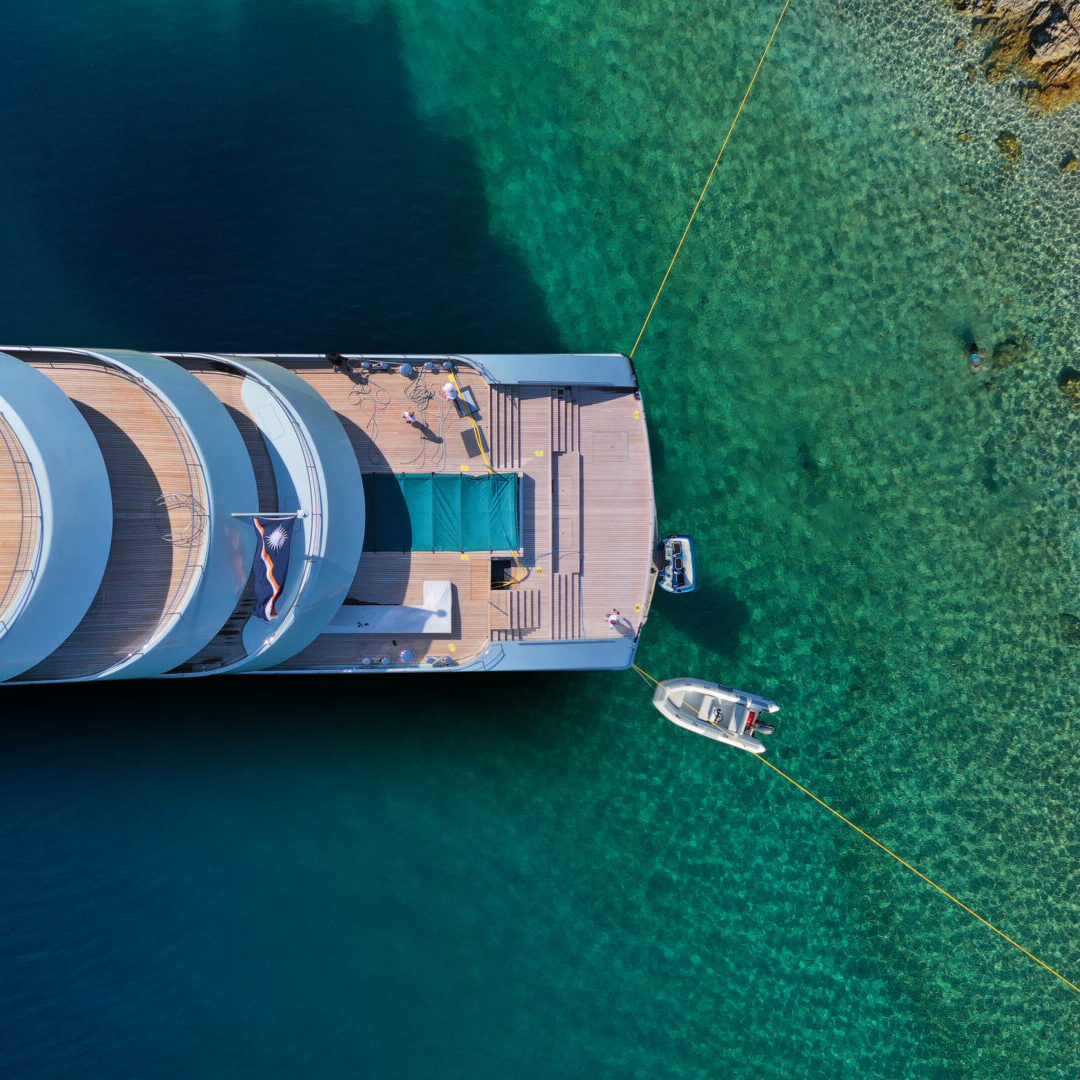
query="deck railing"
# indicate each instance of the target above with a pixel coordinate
(195, 562)
(197, 553)
(314, 510)
(28, 560)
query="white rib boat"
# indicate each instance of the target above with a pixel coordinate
(715, 711)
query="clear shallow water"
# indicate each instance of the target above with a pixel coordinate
(537, 876)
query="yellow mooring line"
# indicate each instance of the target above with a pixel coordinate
(654, 681)
(903, 862)
(712, 173)
(646, 676)
(919, 873)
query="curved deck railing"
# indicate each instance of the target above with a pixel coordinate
(314, 522)
(194, 565)
(17, 591)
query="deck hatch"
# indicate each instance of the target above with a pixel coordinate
(441, 512)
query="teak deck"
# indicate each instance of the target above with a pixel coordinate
(587, 525)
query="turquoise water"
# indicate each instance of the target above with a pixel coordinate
(538, 876)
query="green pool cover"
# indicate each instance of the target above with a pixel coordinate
(441, 512)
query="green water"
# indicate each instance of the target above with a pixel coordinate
(538, 876)
(889, 540)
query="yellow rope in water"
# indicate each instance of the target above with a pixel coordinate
(919, 873)
(712, 173)
(646, 676)
(651, 679)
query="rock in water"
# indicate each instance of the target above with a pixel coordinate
(1069, 384)
(1039, 40)
(1008, 352)
(1009, 145)
(1070, 629)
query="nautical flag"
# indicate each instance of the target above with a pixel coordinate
(271, 563)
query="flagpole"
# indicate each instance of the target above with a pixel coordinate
(271, 517)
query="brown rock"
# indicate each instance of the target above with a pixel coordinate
(963, 137)
(960, 44)
(1069, 163)
(1009, 145)
(1069, 384)
(1037, 40)
(1008, 352)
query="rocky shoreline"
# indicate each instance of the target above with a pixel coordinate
(1038, 40)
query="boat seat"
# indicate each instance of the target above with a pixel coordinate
(434, 616)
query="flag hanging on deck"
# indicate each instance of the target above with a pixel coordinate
(271, 563)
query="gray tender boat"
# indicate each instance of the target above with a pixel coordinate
(715, 711)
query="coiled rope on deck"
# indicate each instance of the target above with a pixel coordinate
(712, 173)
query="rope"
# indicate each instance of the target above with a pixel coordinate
(421, 397)
(654, 681)
(490, 468)
(378, 399)
(712, 173)
(645, 675)
(919, 873)
(475, 425)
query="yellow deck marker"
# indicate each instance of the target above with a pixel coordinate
(539, 453)
(452, 647)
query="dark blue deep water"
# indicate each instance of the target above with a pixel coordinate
(491, 877)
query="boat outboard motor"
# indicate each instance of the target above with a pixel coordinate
(763, 729)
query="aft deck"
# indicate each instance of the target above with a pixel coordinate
(587, 526)
(159, 497)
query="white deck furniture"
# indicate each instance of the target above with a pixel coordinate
(434, 616)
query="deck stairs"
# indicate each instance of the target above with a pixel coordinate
(565, 420)
(505, 428)
(566, 606)
(514, 613)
